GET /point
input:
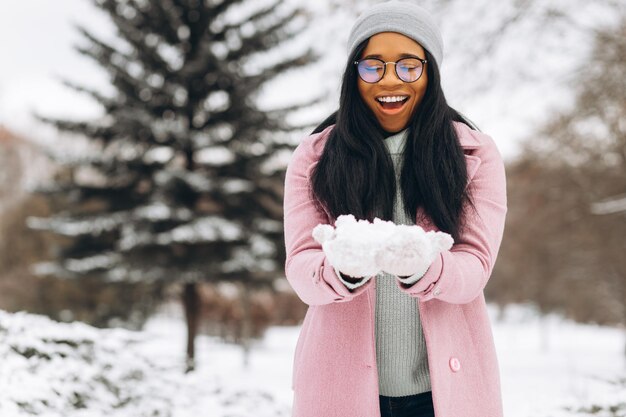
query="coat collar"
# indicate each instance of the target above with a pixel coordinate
(467, 137)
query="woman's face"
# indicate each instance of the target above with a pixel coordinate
(390, 46)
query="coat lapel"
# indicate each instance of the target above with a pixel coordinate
(472, 163)
(468, 141)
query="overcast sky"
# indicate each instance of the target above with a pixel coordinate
(36, 47)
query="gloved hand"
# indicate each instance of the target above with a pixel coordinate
(351, 247)
(411, 250)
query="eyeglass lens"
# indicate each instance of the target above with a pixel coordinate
(407, 69)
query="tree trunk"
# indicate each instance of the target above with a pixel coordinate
(246, 325)
(191, 303)
(622, 287)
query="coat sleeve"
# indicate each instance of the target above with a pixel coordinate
(460, 274)
(307, 269)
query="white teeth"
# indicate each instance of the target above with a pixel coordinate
(392, 99)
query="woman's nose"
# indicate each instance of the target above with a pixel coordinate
(390, 76)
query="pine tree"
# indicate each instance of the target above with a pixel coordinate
(181, 187)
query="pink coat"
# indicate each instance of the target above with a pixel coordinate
(334, 368)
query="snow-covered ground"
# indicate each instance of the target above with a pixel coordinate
(546, 363)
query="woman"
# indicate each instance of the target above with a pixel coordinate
(389, 345)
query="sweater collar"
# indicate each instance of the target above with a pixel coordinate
(396, 141)
(467, 138)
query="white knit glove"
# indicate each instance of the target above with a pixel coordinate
(351, 247)
(411, 250)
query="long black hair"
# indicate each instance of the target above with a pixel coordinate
(355, 173)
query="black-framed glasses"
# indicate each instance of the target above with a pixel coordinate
(372, 70)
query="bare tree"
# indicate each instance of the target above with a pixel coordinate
(559, 252)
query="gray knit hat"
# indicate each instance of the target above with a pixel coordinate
(403, 17)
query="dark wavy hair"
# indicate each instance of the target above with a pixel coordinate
(355, 173)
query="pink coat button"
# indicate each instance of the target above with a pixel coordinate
(455, 364)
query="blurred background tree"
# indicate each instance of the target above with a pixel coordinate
(564, 246)
(90, 300)
(180, 184)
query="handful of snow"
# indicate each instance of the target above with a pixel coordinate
(362, 249)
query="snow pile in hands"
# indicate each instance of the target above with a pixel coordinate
(359, 248)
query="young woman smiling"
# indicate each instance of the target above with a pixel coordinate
(403, 342)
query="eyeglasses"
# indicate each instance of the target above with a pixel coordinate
(372, 70)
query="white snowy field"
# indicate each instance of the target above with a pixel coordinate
(54, 369)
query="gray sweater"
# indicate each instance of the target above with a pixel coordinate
(400, 345)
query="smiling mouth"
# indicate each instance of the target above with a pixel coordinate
(392, 105)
